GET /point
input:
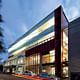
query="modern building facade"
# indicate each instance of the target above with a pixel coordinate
(45, 46)
(74, 48)
(15, 63)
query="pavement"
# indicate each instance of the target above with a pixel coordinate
(10, 77)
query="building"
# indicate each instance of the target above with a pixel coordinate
(74, 48)
(45, 47)
(15, 63)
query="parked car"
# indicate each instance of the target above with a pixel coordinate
(45, 75)
(18, 72)
(30, 73)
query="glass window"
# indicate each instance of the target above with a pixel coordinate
(65, 71)
(52, 58)
(49, 69)
(53, 70)
(34, 33)
(20, 60)
(65, 46)
(49, 58)
(32, 62)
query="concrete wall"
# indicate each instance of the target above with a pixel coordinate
(74, 46)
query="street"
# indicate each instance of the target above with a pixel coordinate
(10, 77)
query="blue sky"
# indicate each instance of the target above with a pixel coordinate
(20, 15)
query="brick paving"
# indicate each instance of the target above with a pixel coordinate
(10, 77)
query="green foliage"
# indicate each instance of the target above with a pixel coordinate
(1, 34)
(1, 18)
(2, 48)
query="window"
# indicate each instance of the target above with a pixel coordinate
(65, 71)
(49, 58)
(20, 60)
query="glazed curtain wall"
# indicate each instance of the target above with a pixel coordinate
(34, 61)
(37, 35)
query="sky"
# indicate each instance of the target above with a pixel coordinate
(21, 15)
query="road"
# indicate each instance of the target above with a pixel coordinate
(10, 77)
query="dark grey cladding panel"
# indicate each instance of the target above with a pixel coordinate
(75, 21)
(74, 46)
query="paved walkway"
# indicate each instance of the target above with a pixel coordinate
(10, 77)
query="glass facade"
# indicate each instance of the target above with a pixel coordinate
(15, 64)
(45, 61)
(34, 62)
(50, 37)
(48, 62)
(20, 60)
(65, 71)
(65, 46)
(37, 35)
(49, 58)
(65, 53)
(50, 69)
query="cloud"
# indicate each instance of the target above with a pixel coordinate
(66, 3)
(71, 8)
(24, 28)
(73, 12)
(9, 35)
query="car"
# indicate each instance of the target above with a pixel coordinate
(18, 72)
(45, 75)
(30, 73)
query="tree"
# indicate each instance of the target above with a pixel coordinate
(2, 48)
